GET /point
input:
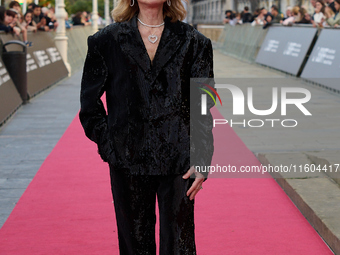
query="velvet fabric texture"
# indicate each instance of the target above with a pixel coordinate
(147, 127)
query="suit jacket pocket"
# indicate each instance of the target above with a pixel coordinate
(105, 148)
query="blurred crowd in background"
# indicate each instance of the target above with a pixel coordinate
(325, 14)
(40, 18)
(37, 18)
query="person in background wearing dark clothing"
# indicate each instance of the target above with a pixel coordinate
(8, 21)
(331, 4)
(12, 19)
(273, 17)
(38, 19)
(265, 13)
(277, 17)
(247, 17)
(8, 28)
(229, 15)
(77, 20)
(80, 19)
(51, 22)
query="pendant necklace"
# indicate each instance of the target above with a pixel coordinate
(152, 38)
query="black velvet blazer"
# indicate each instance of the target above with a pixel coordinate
(146, 129)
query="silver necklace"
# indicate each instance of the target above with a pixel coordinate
(152, 38)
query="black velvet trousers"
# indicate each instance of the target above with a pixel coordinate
(135, 201)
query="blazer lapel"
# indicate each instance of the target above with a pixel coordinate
(171, 40)
(132, 44)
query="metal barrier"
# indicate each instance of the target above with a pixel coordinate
(286, 48)
(43, 66)
(297, 49)
(241, 41)
(211, 31)
(323, 64)
(77, 46)
(10, 99)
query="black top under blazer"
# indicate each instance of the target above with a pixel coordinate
(146, 129)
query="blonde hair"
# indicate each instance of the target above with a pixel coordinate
(125, 12)
(295, 10)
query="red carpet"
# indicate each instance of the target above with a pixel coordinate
(67, 208)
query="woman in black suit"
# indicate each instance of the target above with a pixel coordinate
(144, 63)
